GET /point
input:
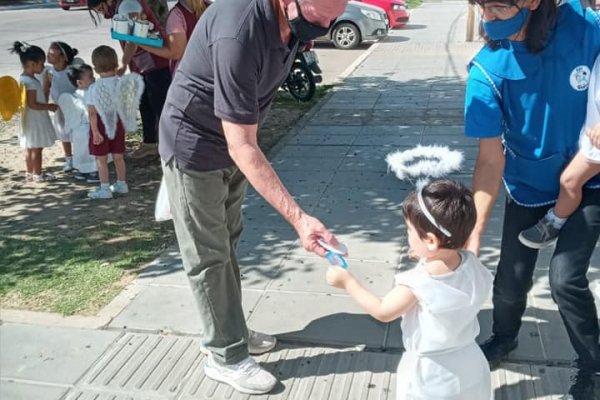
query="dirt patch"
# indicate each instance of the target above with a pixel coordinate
(62, 252)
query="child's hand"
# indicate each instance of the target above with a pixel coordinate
(97, 138)
(52, 107)
(338, 277)
(594, 135)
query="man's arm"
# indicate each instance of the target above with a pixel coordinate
(487, 177)
(243, 149)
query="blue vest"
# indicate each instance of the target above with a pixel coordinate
(537, 102)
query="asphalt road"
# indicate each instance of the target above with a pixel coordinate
(41, 26)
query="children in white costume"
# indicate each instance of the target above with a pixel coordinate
(56, 82)
(77, 125)
(584, 166)
(439, 299)
(112, 106)
(36, 131)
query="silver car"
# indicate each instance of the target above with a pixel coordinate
(358, 23)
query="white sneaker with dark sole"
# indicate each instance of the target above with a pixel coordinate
(258, 343)
(247, 376)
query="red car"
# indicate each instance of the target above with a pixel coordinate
(66, 4)
(396, 10)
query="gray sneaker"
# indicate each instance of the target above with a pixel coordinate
(100, 193)
(119, 188)
(542, 234)
(246, 376)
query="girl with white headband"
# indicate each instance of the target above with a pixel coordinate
(56, 82)
(438, 299)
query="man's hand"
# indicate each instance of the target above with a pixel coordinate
(310, 230)
(594, 135)
(338, 277)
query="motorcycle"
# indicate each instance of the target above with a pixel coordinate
(302, 80)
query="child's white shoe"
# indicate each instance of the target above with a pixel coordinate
(119, 188)
(101, 193)
(68, 165)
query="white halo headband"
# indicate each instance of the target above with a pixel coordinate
(422, 163)
(427, 214)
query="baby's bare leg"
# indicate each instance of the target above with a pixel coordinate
(578, 172)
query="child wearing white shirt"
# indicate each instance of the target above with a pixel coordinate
(438, 300)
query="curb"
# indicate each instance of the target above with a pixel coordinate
(352, 67)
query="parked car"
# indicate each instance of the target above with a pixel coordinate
(359, 22)
(67, 4)
(396, 10)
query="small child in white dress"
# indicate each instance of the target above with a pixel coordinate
(584, 166)
(439, 299)
(37, 131)
(77, 124)
(56, 82)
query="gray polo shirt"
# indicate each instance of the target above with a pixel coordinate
(233, 64)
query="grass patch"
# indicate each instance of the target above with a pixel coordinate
(60, 252)
(413, 3)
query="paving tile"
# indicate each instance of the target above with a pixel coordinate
(306, 151)
(170, 309)
(316, 318)
(513, 381)
(330, 130)
(315, 373)
(10, 390)
(322, 140)
(308, 275)
(50, 354)
(141, 366)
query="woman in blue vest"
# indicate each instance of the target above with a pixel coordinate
(525, 102)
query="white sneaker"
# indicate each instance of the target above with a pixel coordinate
(246, 376)
(100, 193)
(119, 188)
(258, 343)
(68, 165)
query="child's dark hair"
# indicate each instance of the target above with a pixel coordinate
(105, 59)
(541, 24)
(75, 72)
(67, 51)
(28, 52)
(451, 205)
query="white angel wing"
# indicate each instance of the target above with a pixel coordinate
(105, 104)
(74, 111)
(129, 93)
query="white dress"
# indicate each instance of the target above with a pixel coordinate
(60, 84)
(592, 117)
(442, 361)
(77, 126)
(36, 128)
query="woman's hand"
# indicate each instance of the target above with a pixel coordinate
(338, 277)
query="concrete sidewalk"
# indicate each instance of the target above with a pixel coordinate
(408, 90)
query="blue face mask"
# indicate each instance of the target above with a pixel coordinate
(499, 29)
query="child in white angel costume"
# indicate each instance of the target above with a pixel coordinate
(438, 299)
(112, 106)
(76, 122)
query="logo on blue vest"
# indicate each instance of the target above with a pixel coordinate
(580, 78)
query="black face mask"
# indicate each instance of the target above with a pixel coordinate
(305, 30)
